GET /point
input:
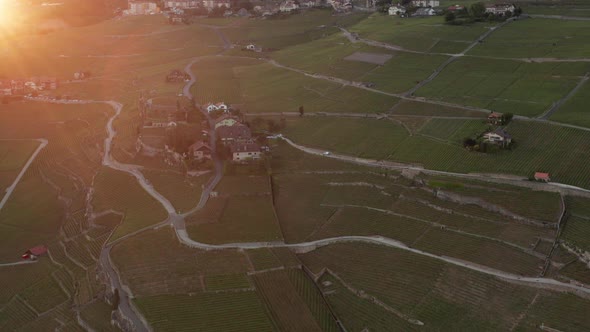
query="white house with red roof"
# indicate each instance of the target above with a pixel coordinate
(34, 253)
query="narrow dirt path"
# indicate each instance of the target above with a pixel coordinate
(10, 189)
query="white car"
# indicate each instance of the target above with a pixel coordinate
(327, 153)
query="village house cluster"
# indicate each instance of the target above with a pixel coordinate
(236, 137)
(175, 9)
(13, 87)
(432, 7)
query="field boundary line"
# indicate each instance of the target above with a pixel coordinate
(10, 189)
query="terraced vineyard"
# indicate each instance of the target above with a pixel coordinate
(287, 307)
(239, 311)
(139, 207)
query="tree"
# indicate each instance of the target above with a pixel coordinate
(301, 111)
(477, 10)
(517, 11)
(450, 17)
(116, 299)
(506, 118)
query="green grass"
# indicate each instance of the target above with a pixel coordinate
(44, 295)
(565, 312)
(139, 207)
(288, 309)
(452, 129)
(184, 192)
(574, 111)
(359, 314)
(98, 315)
(576, 232)
(226, 282)
(425, 34)
(243, 185)
(357, 137)
(240, 311)
(405, 107)
(292, 30)
(539, 147)
(327, 56)
(13, 156)
(269, 89)
(538, 38)
(506, 86)
(244, 219)
(263, 259)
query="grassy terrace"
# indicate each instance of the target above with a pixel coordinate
(184, 192)
(327, 56)
(239, 311)
(293, 301)
(521, 88)
(244, 219)
(538, 38)
(297, 29)
(259, 88)
(425, 34)
(139, 207)
(556, 151)
(574, 111)
(13, 156)
(439, 295)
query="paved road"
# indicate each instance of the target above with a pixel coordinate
(380, 240)
(496, 178)
(10, 189)
(18, 263)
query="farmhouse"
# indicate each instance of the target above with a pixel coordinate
(425, 3)
(500, 9)
(289, 5)
(216, 107)
(199, 151)
(229, 134)
(34, 253)
(544, 177)
(142, 7)
(396, 10)
(495, 118)
(226, 120)
(498, 136)
(425, 12)
(243, 152)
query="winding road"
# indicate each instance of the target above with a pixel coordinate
(177, 221)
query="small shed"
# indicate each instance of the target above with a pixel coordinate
(544, 177)
(35, 252)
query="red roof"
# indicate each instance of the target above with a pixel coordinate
(37, 251)
(541, 176)
(494, 115)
